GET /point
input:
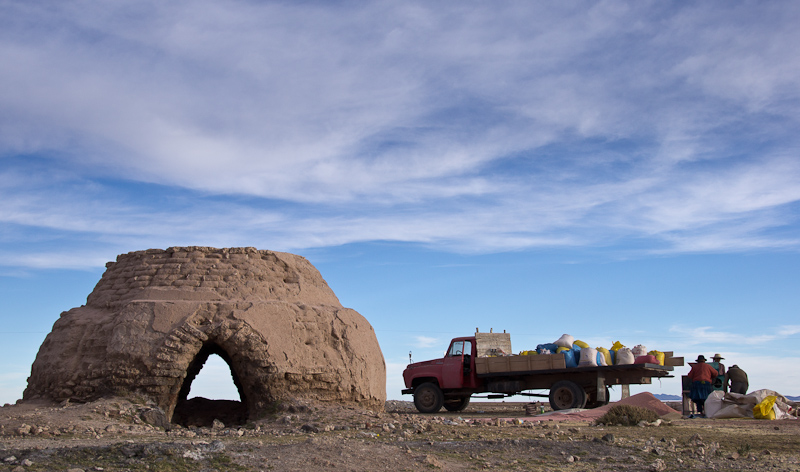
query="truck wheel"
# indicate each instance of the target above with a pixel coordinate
(456, 404)
(566, 394)
(428, 398)
(591, 399)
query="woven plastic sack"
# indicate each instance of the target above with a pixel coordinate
(764, 410)
(565, 341)
(639, 350)
(606, 355)
(569, 358)
(624, 356)
(579, 343)
(562, 349)
(646, 359)
(576, 353)
(617, 346)
(588, 357)
(601, 358)
(549, 347)
(658, 355)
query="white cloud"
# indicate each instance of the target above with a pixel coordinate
(716, 337)
(467, 127)
(425, 342)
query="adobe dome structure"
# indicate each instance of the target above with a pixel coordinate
(156, 316)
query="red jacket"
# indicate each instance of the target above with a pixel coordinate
(703, 372)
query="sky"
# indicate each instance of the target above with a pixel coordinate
(618, 171)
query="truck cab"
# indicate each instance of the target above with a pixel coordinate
(454, 373)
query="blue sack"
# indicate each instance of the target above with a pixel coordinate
(551, 346)
(576, 353)
(569, 358)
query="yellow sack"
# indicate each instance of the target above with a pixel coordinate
(528, 353)
(580, 343)
(606, 355)
(764, 410)
(616, 347)
(561, 349)
(658, 355)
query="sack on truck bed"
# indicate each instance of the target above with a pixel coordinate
(625, 356)
(549, 347)
(579, 343)
(565, 341)
(569, 358)
(617, 346)
(659, 356)
(648, 359)
(639, 350)
(588, 357)
(609, 360)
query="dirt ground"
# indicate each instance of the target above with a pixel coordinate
(122, 435)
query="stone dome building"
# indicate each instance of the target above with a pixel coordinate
(156, 316)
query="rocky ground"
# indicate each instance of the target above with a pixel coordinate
(123, 435)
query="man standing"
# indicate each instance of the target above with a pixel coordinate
(702, 376)
(738, 379)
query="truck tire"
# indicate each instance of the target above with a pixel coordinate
(566, 394)
(456, 404)
(591, 399)
(428, 398)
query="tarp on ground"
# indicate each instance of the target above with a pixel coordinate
(735, 405)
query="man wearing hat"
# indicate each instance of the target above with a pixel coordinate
(720, 382)
(738, 379)
(702, 376)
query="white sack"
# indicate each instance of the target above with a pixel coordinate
(588, 357)
(639, 350)
(734, 405)
(624, 356)
(729, 405)
(565, 341)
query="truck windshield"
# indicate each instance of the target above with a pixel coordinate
(460, 347)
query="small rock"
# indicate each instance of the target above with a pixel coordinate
(26, 462)
(608, 438)
(10, 459)
(23, 430)
(432, 461)
(156, 417)
(658, 466)
(217, 424)
(695, 439)
(309, 428)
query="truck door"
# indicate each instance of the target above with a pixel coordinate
(456, 366)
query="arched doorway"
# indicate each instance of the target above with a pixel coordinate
(199, 411)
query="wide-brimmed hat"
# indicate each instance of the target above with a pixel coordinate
(717, 356)
(701, 358)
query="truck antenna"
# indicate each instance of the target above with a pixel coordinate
(409, 358)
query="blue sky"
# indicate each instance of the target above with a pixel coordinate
(612, 170)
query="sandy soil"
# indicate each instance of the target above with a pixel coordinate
(118, 435)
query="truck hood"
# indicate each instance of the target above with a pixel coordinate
(417, 365)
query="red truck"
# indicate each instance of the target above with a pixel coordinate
(481, 364)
